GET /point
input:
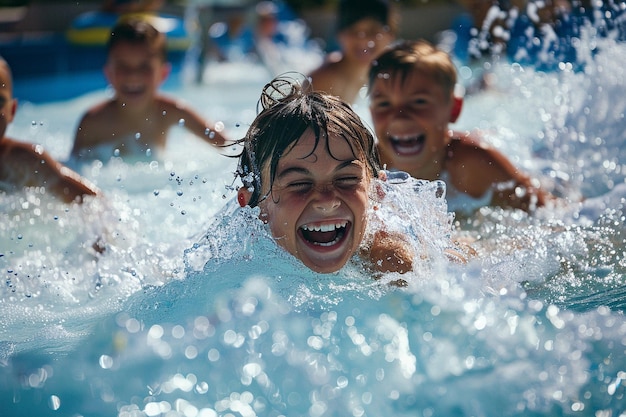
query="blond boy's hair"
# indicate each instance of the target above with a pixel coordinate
(406, 57)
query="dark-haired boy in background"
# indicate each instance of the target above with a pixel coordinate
(135, 122)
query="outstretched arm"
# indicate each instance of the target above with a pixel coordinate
(37, 168)
(212, 133)
(62, 181)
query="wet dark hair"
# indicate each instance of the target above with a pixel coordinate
(138, 31)
(288, 108)
(406, 57)
(350, 12)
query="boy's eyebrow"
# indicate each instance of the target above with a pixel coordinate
(301, 170)
(292, 170)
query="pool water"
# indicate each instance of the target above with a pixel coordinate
(194, 311)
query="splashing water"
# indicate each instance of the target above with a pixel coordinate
(194, 311)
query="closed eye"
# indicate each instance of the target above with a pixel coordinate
(299, 186)
(348, 182)
(380, 104)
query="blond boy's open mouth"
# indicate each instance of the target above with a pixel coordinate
(407, 144)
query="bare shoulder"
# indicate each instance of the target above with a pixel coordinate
(172, 108)
(474, 165)
(470, 150)
(466, 141)
(332, 60)
(171, 101)
(168, 102)
(98, 117)
(327, 74)
(100, 110)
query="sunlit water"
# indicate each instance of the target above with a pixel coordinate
(194, 311)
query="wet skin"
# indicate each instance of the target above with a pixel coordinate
(317, 206)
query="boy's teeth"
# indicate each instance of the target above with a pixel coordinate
(324, 227)
(404, 138)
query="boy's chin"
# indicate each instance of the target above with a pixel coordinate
(324, 269)
(325, 264)
(326, 259)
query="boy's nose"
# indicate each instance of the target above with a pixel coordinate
(326, 200)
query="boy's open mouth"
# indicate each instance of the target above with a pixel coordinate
(133, 90)
(325, 235)
(408, 145)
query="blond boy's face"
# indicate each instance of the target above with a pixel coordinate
(7, 102)
(411, 118)
(135, 72)
(318, 203)
(364, 40)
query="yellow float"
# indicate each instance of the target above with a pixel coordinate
(93, 28)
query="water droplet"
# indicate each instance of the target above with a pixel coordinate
(179, 193)
(137, 135)
(156, 192)
(105, 361)
(181, 122)
(202, 388)
(54, 402)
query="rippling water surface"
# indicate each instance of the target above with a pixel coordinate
(194, 311)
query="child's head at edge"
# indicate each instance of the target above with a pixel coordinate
(8, 104)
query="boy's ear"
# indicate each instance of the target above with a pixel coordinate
(166, 69)
(13, 110)
(243, 196)
(108, 74)
(457, 106)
